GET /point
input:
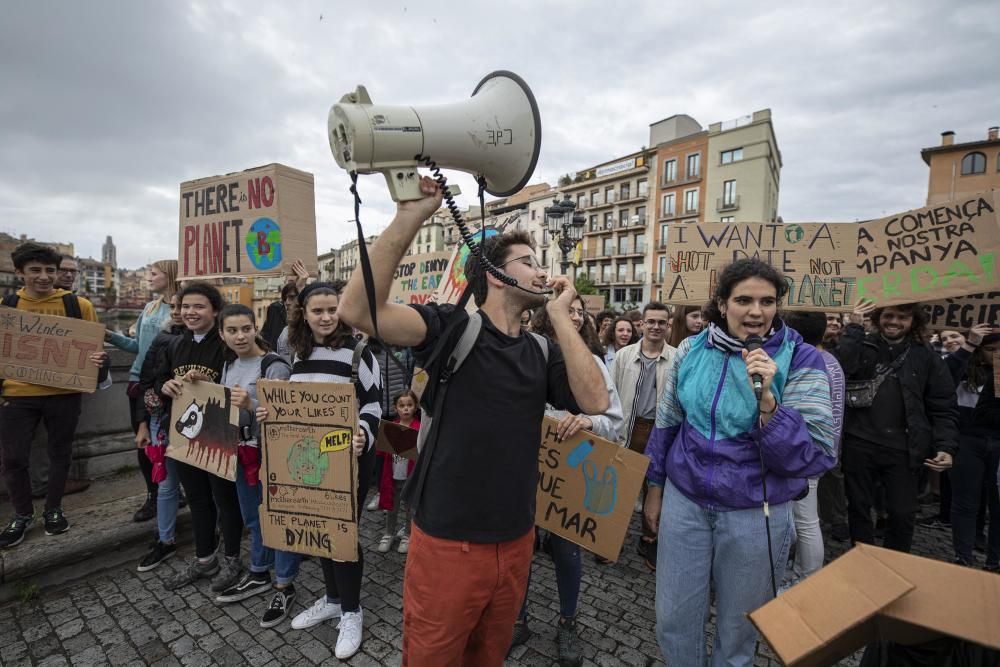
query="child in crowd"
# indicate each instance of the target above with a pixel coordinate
(395, 471)
(247, 360)
(151, 438)
(324, 351)
(163, 283)
(197, 355)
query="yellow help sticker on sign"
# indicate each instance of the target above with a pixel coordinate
(336, 440)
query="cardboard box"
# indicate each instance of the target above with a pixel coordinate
(49, 350)
(250, 223)
(871, 594)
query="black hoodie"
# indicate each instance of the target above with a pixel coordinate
(182, 354)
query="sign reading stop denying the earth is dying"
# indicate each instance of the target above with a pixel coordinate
(309, 472)
(248, 223)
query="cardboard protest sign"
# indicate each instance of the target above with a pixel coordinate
(204, 429)
(248, 223)
(593, 303)
(397, 439)
(963, 312)
(418, 276)
(309, 472)
(454, 279)
(587, 488)
(49, 350)
(817, 260)
(419, 382)
(939, 251)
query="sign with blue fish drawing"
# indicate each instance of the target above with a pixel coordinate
(587, 487)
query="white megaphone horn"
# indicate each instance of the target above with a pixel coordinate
(496, 134)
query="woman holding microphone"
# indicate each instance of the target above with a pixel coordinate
(722, 459)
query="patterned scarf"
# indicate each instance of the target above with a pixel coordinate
(724, 341)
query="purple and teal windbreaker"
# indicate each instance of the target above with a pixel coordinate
(703, 439)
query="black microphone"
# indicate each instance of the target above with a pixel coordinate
(755, 342)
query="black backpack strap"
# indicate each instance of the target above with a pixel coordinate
(430, 423)
(71, 304)
(10, 300)
(270, 359)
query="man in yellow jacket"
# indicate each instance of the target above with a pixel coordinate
(26, 405)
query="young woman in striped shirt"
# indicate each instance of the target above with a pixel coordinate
(323, 352)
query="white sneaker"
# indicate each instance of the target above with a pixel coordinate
(404, 544)
(319, 612)
(373, 503)
(385, 544)
(349, 639)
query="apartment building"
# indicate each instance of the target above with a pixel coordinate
(614, 197)
(727, 173)
(744, 170)
(961, 170)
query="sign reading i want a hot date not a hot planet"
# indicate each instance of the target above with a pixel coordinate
(249, 223)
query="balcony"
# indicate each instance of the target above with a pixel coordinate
(727, 203)
(690, 211)
(668, 215)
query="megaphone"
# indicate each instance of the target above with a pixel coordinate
(496, 134)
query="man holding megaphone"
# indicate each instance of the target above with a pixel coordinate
(473, 491)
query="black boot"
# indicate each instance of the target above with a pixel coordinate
(148, 509)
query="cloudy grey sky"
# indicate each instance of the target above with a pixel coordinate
(107, 106)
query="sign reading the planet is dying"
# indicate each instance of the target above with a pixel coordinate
(250, 223)
(309, 472)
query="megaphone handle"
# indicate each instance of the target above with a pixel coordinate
(403, 183)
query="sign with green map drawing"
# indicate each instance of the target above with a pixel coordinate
(309, 473)
(254, 222)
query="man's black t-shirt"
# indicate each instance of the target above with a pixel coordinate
(483, 475)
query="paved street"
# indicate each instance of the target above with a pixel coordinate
(123, 617)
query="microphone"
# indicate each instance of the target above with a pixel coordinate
(755, 342)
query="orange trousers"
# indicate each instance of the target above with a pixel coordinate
(460, 599)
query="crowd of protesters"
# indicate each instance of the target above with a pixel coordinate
(845, 422)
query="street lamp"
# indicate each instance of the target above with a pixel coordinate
(566, 225)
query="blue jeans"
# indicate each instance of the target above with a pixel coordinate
(566, 558)
(167, 495)
(250, 497)
(699, 546)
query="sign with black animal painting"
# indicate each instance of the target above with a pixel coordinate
(308, 469)
(204, 429)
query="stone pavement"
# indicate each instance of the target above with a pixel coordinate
(120, 616)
